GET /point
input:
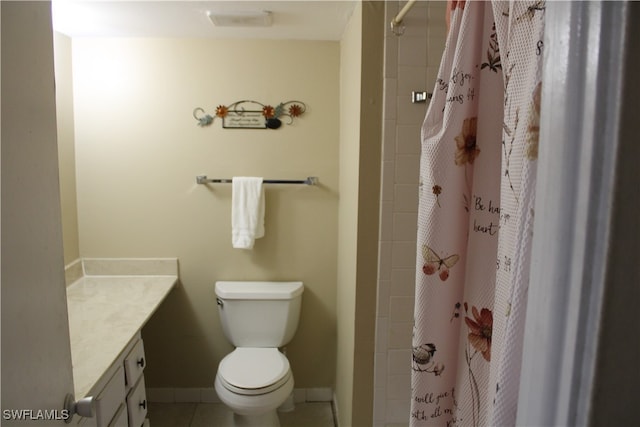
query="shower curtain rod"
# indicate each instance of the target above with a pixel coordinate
(398, 19)
(310, 180)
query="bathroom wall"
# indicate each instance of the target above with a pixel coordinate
(66, 146)
(350, 80)
(360, 148)
(139, 149)
(368, 213)
(411, 64)
(36, 352)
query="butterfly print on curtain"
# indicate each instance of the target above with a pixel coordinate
(433, 263)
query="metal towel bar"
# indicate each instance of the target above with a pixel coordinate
(310, 180)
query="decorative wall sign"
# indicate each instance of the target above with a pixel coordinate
(249, 114)
(244, 120)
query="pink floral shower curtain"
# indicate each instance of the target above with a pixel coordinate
(477, 180)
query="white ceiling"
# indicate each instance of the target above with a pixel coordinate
(296, 20)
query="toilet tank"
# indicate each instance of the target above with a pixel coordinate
(259, 314)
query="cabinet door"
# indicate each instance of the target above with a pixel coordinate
(36, 350)
(137, 404)
(134, 363)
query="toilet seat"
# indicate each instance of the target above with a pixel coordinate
(254, 371)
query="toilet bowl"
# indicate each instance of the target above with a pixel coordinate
(253, 383)
(255, 378)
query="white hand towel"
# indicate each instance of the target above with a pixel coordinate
(247, 211)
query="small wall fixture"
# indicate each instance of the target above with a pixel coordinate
(247, 18)
(419, 97)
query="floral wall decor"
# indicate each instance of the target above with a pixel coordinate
(249, 114)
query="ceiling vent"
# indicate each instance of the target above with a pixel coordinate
(241, 19)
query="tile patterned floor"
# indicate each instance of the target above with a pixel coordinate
(310, 414)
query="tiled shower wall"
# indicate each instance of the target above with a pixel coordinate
(411, 64)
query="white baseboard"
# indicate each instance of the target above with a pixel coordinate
(73, 271)
(334, 407)
(209, 395)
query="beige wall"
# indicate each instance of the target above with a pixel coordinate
(360, 147)
(36, 352)
(368, 210)
(66, 146)
(139, 150)
(350, 79)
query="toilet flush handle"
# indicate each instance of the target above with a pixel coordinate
(219, 302)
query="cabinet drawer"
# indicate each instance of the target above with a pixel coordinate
(137, 404)
(110, 398)
(121, 417)
(134, 364)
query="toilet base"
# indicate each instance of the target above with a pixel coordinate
(268, 419)
(256, 410)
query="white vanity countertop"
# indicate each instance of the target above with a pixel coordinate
(105, 312)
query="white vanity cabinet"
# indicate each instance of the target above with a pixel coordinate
(120, 395)
(134, 364)
(108, 307)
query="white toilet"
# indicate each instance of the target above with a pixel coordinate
(258, 318)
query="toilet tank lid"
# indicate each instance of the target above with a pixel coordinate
(259, 290)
